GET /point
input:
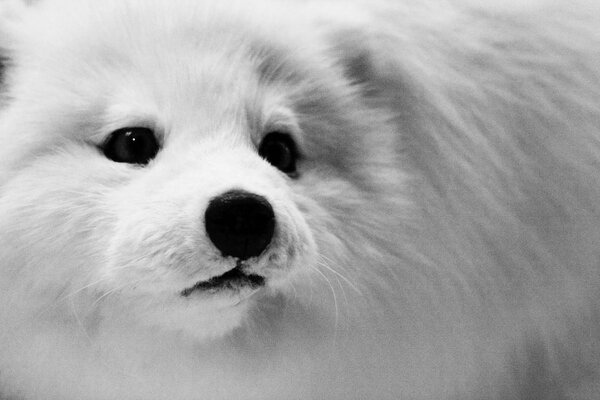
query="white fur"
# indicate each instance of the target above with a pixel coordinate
(440, 242)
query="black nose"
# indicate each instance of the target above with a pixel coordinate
(240, 224)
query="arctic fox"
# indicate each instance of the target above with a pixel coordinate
(286, 199)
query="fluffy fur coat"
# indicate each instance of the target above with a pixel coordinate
(440, 239)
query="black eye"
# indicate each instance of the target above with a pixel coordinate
(131, 145)
(280, 151)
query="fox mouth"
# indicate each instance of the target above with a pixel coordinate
(233, 280)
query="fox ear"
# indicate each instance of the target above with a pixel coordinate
(11, 11)
(3, 62)
(4, 58)
(353, 51)
(372, 61)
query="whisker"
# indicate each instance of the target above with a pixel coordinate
(113, 290)
(81, 289)
(78, 320)
(325, 263)
(335, 303)
(338, 283)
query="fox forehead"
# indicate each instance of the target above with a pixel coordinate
(179, 82)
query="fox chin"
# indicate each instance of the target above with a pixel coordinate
(286, 199)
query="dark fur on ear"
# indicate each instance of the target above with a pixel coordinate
(3, 51)
(3, 66)
(356, 57)
(373, 62)
(10, 13)
(3, 62)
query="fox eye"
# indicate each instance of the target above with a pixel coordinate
(280, 151)
(131, 145)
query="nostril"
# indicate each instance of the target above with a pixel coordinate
(240, 224)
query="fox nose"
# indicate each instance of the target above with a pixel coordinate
(240, 224)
